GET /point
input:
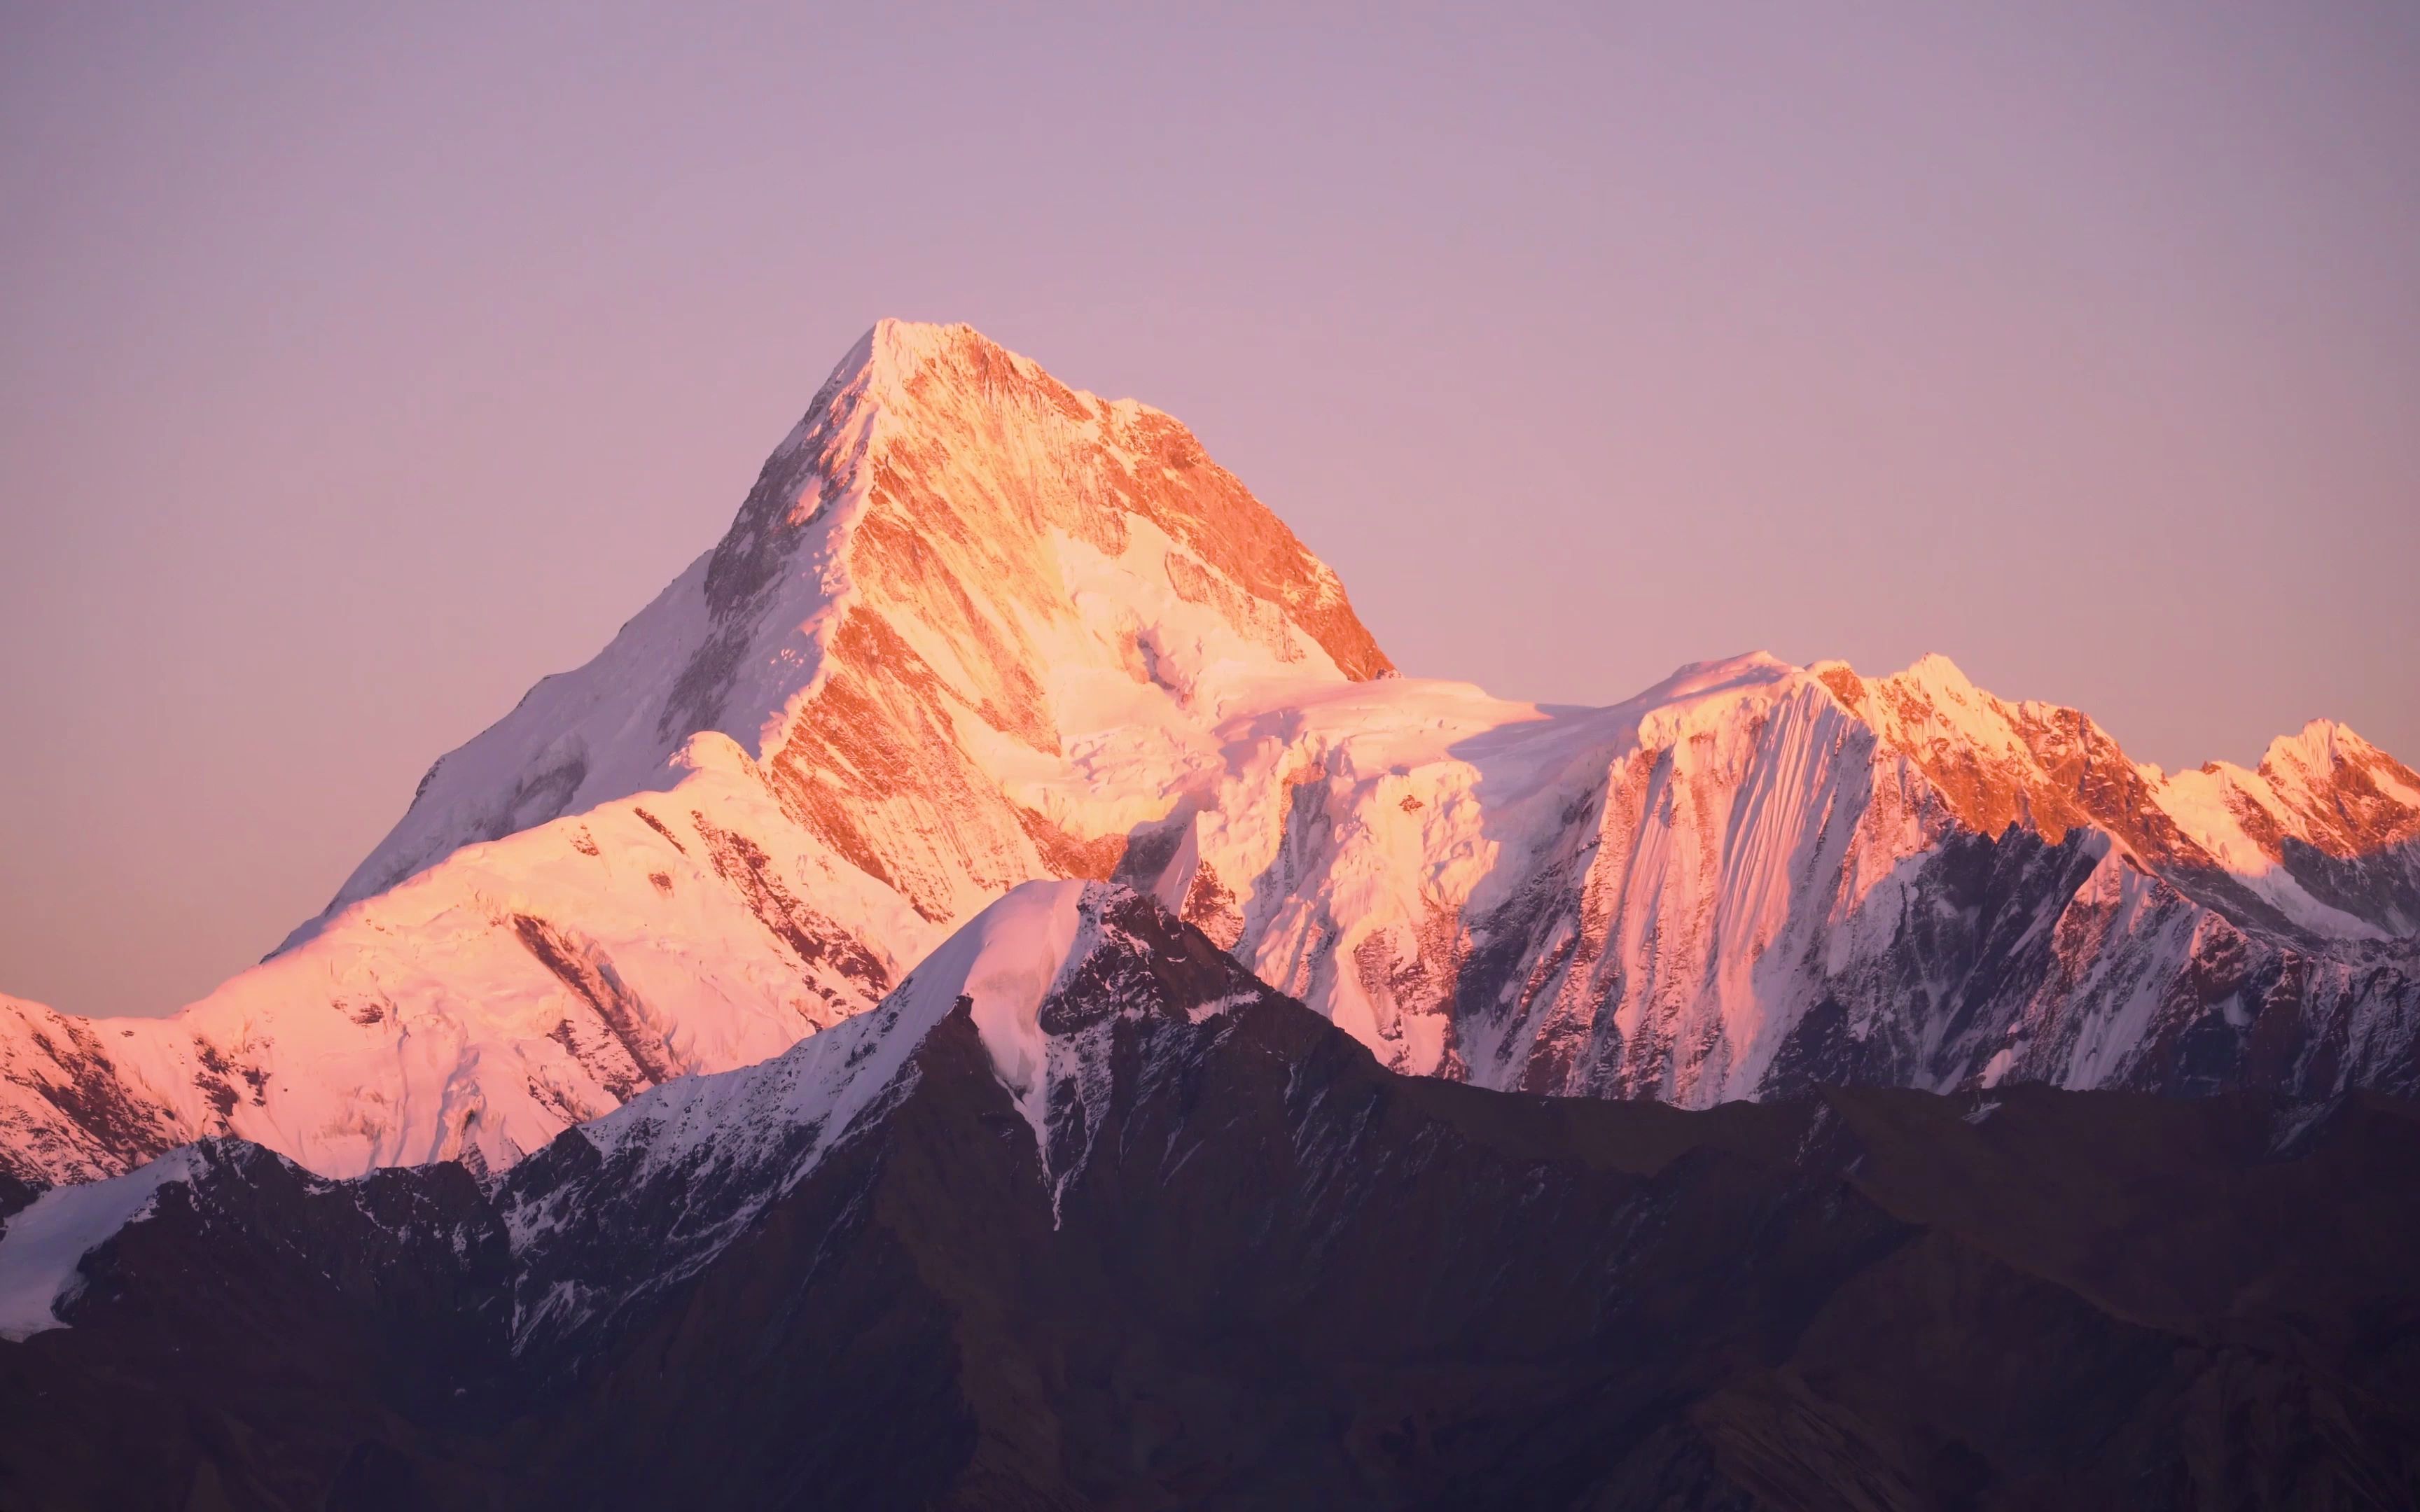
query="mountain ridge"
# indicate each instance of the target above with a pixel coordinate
(972, 627)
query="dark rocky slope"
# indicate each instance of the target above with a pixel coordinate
(1254, 1269)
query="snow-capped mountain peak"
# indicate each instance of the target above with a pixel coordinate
(974, 628)
(997, 969)
(948, 537)
(969, 627)
(1049, 979)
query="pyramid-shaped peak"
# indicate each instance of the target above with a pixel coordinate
(1936, 673)
(891, 366)
(906, 344)
(1933, 686)
(2321, 745)
(891, 333)
(896, 357)
(954, 560)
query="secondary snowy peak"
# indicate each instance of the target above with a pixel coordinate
(952, 562)
(1033, 974)
(1755, 876)
(998, 967)
(1045, 981)
(1995, 762)
(2345, 796)
(2318, 843)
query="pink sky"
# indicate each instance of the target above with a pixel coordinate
(366, 364)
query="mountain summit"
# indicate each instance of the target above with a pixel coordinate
(953, 556)
(973, 627)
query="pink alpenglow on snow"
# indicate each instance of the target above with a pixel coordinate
(974, 628)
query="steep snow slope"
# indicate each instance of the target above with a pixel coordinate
(41, 1246)
(475, 1010)
(972, 627)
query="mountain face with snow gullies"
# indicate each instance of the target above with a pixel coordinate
(972, 627)
(1084, 1214)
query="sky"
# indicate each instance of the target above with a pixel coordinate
(360, 364)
